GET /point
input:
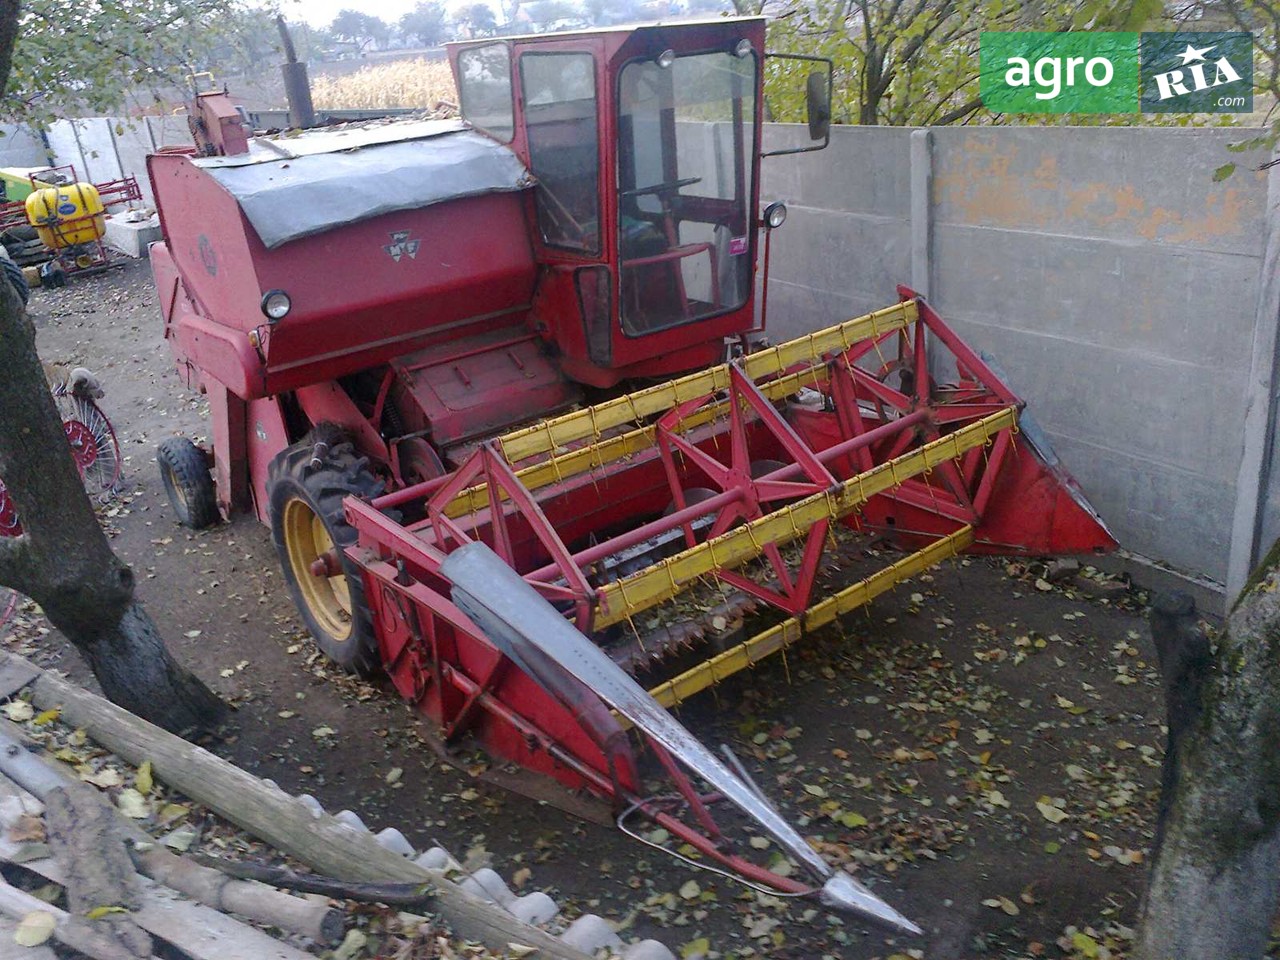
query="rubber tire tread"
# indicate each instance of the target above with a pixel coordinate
(183, 464)
(17, 278)
(342, 474)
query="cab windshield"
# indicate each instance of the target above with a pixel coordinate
(686, 142)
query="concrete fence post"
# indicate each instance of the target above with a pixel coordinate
(922, 211)
(1258, 427)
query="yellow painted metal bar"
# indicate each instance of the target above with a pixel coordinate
(596, 455)
(668, 577)
(784, 634)
(591, 422)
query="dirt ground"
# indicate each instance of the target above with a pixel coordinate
(983, 749)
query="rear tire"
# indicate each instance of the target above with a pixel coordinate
(306, 522)
(16, 277)
(185, 473)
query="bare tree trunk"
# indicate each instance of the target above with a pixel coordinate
(1215, 876)
(63, 560)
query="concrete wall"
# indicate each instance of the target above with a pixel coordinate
(108, 148)
(1116, 284)
(20, 147)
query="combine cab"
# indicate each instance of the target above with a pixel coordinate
(398, 326)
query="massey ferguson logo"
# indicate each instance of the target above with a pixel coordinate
(402, 246)
(1197, 72)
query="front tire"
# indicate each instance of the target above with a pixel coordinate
(184, 470)
(307, 522)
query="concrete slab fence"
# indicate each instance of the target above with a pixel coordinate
(1130, 299)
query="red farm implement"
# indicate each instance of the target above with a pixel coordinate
(749, 480)
(397, 325)
(94, 448)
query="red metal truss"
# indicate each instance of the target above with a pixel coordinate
(721, 479)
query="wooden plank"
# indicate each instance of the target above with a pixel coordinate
(15, 675)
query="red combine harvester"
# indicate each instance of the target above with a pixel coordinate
(397, 326)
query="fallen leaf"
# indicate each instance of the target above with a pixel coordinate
(143, 780)
(28, 828)
(104, 779)
(852, 820)
(394, 775)
(1050, 812)
(97, 913)
(1002, 903)
(19, 711)
(814, 790)
(172, 812)
(320, 732)
(690, 890)
(695, 948)
(180, 840)
(133, 804)
(351, 945)
(192, 634)
(34, 929)
(47, 716)
(1085, 944)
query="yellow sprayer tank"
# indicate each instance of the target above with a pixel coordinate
(67, 215)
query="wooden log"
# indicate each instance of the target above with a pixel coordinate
(254, 901)
(391, 894)
(313, 919)
(286, 823)
(88, 845)
(17, 904)
(196, 930)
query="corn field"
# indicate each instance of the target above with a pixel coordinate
(403, 83)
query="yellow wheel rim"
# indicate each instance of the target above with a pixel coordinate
(328, 599)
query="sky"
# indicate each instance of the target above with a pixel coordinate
(320, 13)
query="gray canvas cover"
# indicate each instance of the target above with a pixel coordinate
(304, 185)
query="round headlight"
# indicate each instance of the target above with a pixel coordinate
(666, 58)
(742, 48)
(775, 214)
(276, 305)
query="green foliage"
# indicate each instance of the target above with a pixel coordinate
(913, 63)
(478, 19)
(426, 24)
(362, 29)
(79, 57)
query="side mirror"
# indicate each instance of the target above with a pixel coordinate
(817, 101)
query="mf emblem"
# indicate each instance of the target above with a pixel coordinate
(402, 246)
